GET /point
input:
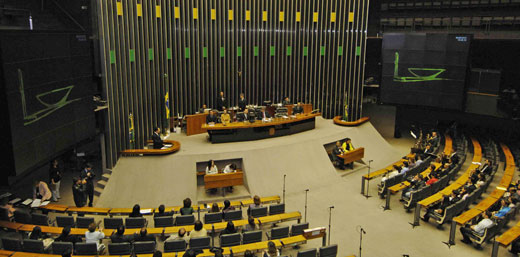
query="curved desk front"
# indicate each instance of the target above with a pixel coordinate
(175, 146)
(245, 131)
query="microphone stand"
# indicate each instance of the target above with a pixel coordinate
(330, 217)
(305, 216)
(284, 175)
(368, 181)
(361, 232)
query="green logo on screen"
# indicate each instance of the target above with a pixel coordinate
(419, 74)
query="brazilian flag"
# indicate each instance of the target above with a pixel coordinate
(167, 105)
(345, 113)
(131, 133)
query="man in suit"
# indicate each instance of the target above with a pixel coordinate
(286, 101)
(263, 114)
(221, 102)
(439, 208)
(88, 176)
(203, 108)
(335, 152)
(156, 138)
(245, 116)
(211, 118)
(298, 109)
(242, 102)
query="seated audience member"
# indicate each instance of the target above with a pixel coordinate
(396, 171)
(225, 118)
(214, 208)
(286, 101)
(161, 212)
(437, 210)
(8, 207)
(245, 116)
(504, 209)
(118, 236)
(405, 167)
(298, 109)
(143, 236)
(198, 230)
(230, 229)
(263, 114)
(271, 250)
(203, 108)
(212, 117)
(249, 253)
(434, 139)
(41, 191)
(79, 192)
(65, 236)
(181, 235)
(434, 171)
(427, 151)
(478, 229)
(432, 180)
(338, 150)
(251, 225)
(256, 204)
(411, 162)
(230, 168)
(136, 212)
(36, 234)
(227, 207)
(93, 236)
(186, 209)
(156, 138)
(211, 168)
(486, 168)
(415, 184)
(418, 159)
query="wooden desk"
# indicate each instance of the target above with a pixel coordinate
(497, 193)
(467, 216)
(223, 180)
(307, 108)
(11, 225)
(509, 236)
(338, 121)
(54, 207)
(176, 146)
(405, 184)
(194, 123)
(486, 203)
(89, 210)
(352, 156)
(244, 131)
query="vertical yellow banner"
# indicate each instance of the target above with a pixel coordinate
(139, 10)
(332, 17)
(351, 17)
(195, 13)
(230, 14)
(248, 15)
(281, 16)
(213, 14)
(315, 17)
(298, 16)
(177, 12)
(264, 15)
(119, 7)
(158, 11)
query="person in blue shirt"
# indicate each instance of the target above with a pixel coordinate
(503, 210)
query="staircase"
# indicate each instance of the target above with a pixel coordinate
(102, 183)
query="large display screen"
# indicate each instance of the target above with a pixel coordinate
(424, 69)
(49, 86)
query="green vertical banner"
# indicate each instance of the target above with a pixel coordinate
(305, 51)
(239, 51)
(358, 50)
(187, 52)
(289, 51)
(205, 52)
(222, 51)
(340, 50)
(132, 55)
(131, 134)
(150, 54)
(256, 50)
(322, 50)
(273, 50)
(169, 53)
(112, 57)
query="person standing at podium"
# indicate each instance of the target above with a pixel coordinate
(286, 101)
(347, 147)
(156, 138)
(298, 109)
(242, 102)
(221, 102)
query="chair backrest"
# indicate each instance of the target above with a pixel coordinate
(22, 217)
(85, 249)
(276, 208)
(137, 222)
(200, 242)
(329, 251)
(65, 221)
(61, 247)
(4, 214)
(144, 247)
(33, 246)
(165, 221)
(230, 240)
(307, 253)
(174, 246)
(280, 232)
(119, 248)
(297, 229)
(39, 219)
(83, 222)
(12, 244)
(233, 215)
(252, 237)
(212, 217)
(183, 220)
(256, 212)
(112, 223)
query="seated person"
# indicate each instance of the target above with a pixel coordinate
(225, 118)
(335, 158)
(156, 138)
(246, 116)
(434, 139)
(250, 226)
(65, 236)
(504, 209)
(212, 117)
(405, 168)
(286, 101)
(433, 179)
(227, 206)
(230, 168)
(187, 209)
(230, 229)
(198, 230)
(203, 108)
(298, 109)
(396, 171)
(257, 203)
(437, 210)
(143, 236)
(263, 114)
(477, 229)
(93, 236)
(161, 212)
(181, 235)
(118, 236)
(36, 234)
(136, 212)
(211, 168)
(415, 184)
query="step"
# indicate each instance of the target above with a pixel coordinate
(98, 191)
(102, 184)
(105, 177)
(107, 171)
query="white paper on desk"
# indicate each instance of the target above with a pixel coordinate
(476, 163)
(45, 203)
(14, 201)
(146, 211)
(36, 203)
(167, 145)
(27, 201)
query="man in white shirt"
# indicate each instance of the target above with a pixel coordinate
(93, 236)
(230, 168)
(478, 229)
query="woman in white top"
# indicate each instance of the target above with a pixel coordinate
(93, 236)
(271, 250)
(198, 230)
(211, 168)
